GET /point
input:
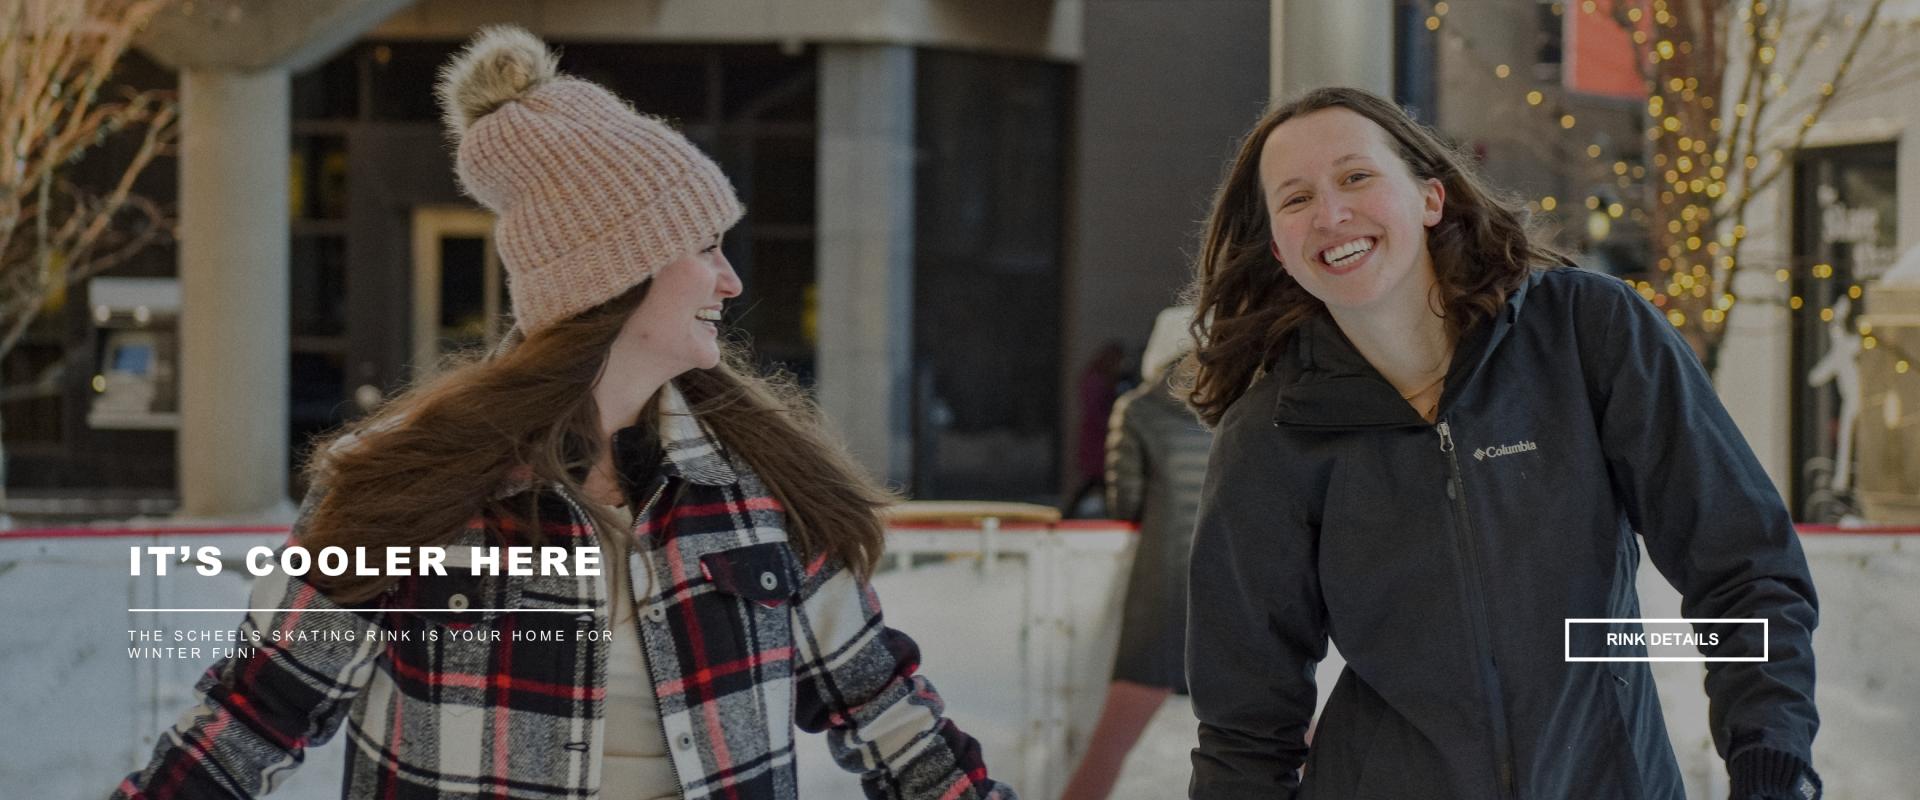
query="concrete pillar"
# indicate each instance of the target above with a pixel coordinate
(233, 281)
(1317, 44)
(865, 250)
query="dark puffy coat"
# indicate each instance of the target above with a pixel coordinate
(1156, 463)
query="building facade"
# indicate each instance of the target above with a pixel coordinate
(903, 164)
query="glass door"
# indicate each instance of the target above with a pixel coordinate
(459, 288)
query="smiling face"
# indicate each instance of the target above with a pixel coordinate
(676, 326)
(1349, 218)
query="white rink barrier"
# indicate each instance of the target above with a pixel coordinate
(1017, 628)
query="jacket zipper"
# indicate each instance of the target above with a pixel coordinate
(1476, 600)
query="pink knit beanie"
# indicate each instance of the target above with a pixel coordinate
(592, 197)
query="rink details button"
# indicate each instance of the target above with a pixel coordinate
(1666, 639)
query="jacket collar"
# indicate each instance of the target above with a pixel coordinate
(1328, 384)
(683, 447)
(692, 451)
(678, 444)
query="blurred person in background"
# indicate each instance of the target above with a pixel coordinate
(738, 536)
(1435, 442)
(1102, 382)
(1156, 460)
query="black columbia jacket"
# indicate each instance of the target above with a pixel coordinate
(1444, 559)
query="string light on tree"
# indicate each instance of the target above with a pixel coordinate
(1725, 166)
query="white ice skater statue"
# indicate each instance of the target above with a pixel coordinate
(1841, 367)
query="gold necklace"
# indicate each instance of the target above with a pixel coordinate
(1424, 389)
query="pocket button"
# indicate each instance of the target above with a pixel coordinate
(457, 602)
(768, 581)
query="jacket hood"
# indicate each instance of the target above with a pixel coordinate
(1325, 382)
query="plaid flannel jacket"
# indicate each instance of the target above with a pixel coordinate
(505, 699)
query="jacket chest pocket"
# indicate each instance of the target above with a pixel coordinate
(739, 615)
(763, 574)
(456, 601)
(456, 635)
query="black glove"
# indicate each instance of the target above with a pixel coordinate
(1762, 774)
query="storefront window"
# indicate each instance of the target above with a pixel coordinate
(1845, 210)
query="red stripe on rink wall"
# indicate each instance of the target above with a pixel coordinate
(1870, 530)
(103, 533)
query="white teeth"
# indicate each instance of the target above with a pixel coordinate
(707, 314)
(1346, 253)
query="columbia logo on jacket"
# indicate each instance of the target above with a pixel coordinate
(1485, 453)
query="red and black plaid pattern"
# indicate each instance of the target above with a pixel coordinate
(505, 699)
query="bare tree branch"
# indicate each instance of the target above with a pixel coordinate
(56, 59)
(1719, 76)
(1820, 106)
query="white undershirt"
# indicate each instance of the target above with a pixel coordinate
(635, 763)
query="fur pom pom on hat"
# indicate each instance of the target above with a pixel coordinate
(592, 197)
(500, 66)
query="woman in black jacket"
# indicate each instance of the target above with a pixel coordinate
(1434, 447)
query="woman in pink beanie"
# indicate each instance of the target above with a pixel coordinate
(738, 535)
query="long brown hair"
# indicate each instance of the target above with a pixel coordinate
(1247, 306)
(416, 471)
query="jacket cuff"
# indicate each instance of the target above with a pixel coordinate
(1763, 774)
